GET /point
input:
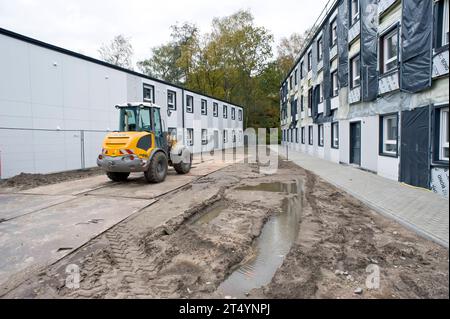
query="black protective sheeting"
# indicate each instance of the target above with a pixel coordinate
(415, 146)
(342, 43)
(417, 40)
(326, 69)
(369, 50)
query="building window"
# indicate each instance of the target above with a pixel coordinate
(301, 70)
(149, 93)
(442, 36)
(354, 11)
(333, 33)
(204, 107)
(204, 136)
(189, 104)
(320, 131)
(172, 132)
(310, 135)
(303, 135)
(225, 112)
(389, 134)
(443, 134)
(225, 136)
(215, 109)
(171, 100)
(290, 83)
(335, 83)
(233, 113)
(292, 135)
(296, 77)
(309, 60)
(335, 135)
(389, 51)
(320, 49)
(321, 92)
(288, 133)
(190, 137)
(310, 98)
(302, 103)
(240, 115)
(296, 135)
(233, 136)
(355, 72)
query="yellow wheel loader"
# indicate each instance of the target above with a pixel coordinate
(142, 145)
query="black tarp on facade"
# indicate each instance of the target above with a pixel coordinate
(416, 48)
(369, 50)
(326, 70)
(415, 146)
(342, 43)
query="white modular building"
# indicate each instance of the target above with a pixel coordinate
(57, 105)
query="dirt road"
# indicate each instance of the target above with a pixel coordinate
(236, 233)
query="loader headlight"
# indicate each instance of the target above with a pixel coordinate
(100, 157)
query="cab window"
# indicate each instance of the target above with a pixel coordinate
(157, 122)
(128, 120)
(144, 119)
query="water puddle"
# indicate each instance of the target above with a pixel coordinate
(212, 212)
(277, 187)
(272, 245)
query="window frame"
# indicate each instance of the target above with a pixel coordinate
(174, 107)
(302, 65)
(189, 108)
(240, 117)
(233, 113)
(215, 109)
(442, 10)
(225, 136)
(310, 60)
(333, 137)
(296, 135)
(334, 83)
(333, 32)
(204, 136)
(296, 77)
(382, 132)
(352, 14)
(190, 137)
(225, 111)
(383, 61)
(443, 130)
(302, 103)
(152, 88)
(320, 135)
(303, 133)
(204, 107)
(351, 73)
(319, 49)
(310, 135)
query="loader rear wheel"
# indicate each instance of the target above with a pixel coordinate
(157, 169)
(117, 176)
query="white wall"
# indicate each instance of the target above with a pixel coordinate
(42, 88)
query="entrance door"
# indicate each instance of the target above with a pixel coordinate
(355, 143)
(414, 159)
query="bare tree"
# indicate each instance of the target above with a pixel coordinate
(118, 52)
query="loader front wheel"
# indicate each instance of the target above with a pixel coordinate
(117, 176)
(157, 169)
(182, 168)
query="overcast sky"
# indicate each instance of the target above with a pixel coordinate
(83, 25)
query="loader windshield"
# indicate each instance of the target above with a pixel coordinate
(135, 119)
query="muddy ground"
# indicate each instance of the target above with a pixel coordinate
(25, 181)
(217, 228)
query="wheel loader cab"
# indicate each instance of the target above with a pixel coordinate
(142, 118)
(141, 145)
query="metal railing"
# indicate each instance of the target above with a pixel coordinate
(31, 150)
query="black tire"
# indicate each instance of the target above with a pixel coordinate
(117, 176)
(157, 170)
(183, 168)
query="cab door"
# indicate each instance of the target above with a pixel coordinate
(160, 136)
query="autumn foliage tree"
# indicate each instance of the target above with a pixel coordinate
(234, 61)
